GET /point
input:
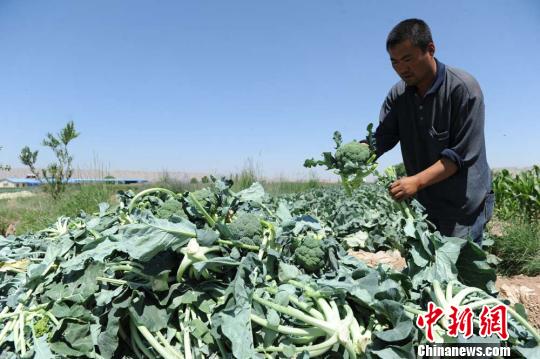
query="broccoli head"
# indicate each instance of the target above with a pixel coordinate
(246, 228)
(169, 208)
(354, 161)
(310, 254)
(353, 151)
(253, 241)
(41, 327)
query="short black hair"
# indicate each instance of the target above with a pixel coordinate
(415, 30)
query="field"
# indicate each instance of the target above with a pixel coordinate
(210, 314)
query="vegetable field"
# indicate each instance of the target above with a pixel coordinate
(168, 275)
(214, 273)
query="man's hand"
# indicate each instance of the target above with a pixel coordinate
(404, 188)
(407, 187)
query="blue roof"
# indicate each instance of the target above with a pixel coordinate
(35, 182)
(28, 181)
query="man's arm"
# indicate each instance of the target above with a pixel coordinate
(387, 133)
(466, 143)
(408, 186)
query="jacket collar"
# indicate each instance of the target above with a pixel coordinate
(439, 78)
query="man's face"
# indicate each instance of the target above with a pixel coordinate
(410, 62)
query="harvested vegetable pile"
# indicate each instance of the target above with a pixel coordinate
(214, 273)
(217, 274)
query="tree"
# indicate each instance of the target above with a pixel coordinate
(57, 174)
(4, 167)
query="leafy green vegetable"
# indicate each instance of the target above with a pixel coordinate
(123, 282)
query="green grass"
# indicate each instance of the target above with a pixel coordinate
(242, 180)
(274, 188)
(20, 189)
(518, 248)
(39, 211)
(34, 213)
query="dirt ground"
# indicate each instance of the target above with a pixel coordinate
(524, 290)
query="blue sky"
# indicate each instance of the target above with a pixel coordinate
(204, 85)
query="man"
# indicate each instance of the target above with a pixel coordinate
(436, 113)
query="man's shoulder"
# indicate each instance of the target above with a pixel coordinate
(462, 82)
(397, 90)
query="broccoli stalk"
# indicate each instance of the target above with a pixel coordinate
(193, 253)
(140, 195)
(200, 208)
(325, 322)
(391, 176)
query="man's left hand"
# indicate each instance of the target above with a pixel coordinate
(404, 188)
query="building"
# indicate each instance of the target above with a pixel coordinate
(18, 182)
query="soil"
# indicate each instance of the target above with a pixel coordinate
(524, 290)
(390, 258)
(495, 227)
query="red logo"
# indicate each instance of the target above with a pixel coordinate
(460, 320)
(429, 319)
(494, 321)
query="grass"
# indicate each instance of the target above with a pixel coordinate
(244, 179)
(518, 247)
(20, 189)
(39, 211)
(274, 188)
(34, 213)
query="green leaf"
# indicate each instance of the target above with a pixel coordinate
(255, 193)
(148, 315)
(289, 351)
(400, 332)
(473, 268)
(273, 318)
(42, 349)
(287, 272)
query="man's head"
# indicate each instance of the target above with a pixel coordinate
(412, 51)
